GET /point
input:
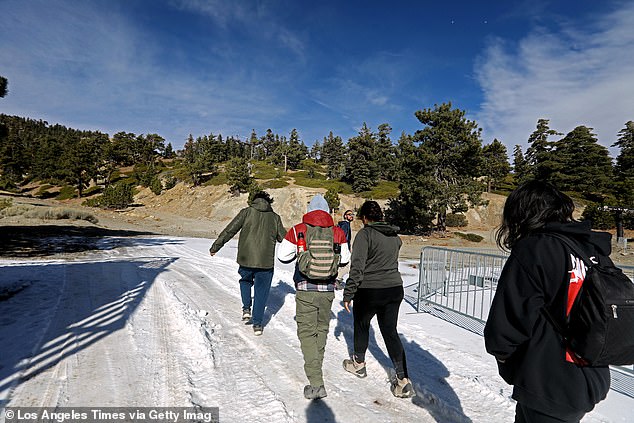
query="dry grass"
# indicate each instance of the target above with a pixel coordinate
(47, 213)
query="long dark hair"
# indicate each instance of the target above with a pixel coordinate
(371, 211)
(529, 208)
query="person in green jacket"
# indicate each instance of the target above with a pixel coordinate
(260, 228)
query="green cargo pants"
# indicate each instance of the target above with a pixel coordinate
(313, 321)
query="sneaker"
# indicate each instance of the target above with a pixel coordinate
(314, 392)
(246, 314)
(402, 388)
(257, 330)
(357, 369)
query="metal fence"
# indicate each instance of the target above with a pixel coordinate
(459, 285)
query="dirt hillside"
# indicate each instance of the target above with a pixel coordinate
(205, 211)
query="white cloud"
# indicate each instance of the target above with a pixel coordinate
(572, 77)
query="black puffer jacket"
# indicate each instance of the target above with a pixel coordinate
(537, 273)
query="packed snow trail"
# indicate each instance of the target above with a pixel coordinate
(159, 324)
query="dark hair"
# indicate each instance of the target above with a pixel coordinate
(528, 208)
(262, 194)
(371, 211)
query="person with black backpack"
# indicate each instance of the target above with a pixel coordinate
(320, 248)
(539, 282)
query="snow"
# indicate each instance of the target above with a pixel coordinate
(157, 323)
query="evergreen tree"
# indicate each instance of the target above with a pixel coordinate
(624, 169)
(521, 171)
(333, 155)
(385, 154)
(239, 175)
(583, 164)
(495, 163)
(539, 155)
(270, 144)
(315, 151)
(199, 158)
(169, 151)
(81, 160)
(4, 83)
(296, 152)
(411, 210)
(332, 197)
(256, 147)
(361, 170)
(453, 146)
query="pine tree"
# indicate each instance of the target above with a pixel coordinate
(410, 210)
(239, 175)
(4, 83)
(624, 169)
(385, 154)
(297, 151)
(361, 170)
(453, 146)
(495, 163)
(521, 171)
(539, 155)
(583, 164)
(333, 155)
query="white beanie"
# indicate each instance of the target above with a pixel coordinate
(318, 202)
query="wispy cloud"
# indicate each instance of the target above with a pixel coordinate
(573, 76)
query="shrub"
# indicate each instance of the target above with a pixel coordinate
(92, 191)
(470, 237)
(263, 170)
(117, 196)
(600, 219)
(155, 186)
(275, 183)
(170, 182)
(60, 213)
(456, 220)
(5, 203)
(67, 192)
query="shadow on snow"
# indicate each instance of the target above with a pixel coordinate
(62, 309)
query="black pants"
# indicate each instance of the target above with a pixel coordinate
(384, 304)
(524, 414)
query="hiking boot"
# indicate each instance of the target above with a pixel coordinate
(357, 369)
(246, 314)
(314, 392)
(402, 388)
(257, 330)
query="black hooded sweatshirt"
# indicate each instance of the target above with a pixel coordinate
(536, 274)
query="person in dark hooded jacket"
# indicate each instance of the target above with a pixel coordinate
(376, 287)
(549, 384)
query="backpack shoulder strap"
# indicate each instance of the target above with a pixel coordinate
(574, 247)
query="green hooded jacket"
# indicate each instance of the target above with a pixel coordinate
(260, 228)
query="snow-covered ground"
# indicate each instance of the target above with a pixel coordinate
(157, 323)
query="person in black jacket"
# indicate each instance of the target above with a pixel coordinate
(541, 271)
(376, 286)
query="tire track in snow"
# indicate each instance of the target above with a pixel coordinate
(229, 379)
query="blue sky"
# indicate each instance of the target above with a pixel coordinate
(177, 67)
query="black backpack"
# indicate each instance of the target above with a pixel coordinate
(600, 326)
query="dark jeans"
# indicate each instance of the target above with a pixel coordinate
(524, 414)
(383, 303)
(260, 280)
